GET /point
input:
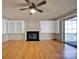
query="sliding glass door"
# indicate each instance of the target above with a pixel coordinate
(71, 31)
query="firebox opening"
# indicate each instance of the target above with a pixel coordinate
(32, 35)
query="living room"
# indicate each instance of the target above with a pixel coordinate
(35, 29)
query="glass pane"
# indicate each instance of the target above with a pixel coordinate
(11, 27)
(70, 31)
(19, 27)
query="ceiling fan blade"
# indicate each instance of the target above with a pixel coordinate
(41, 3)
(27, 1)
(24, 9)
(39, 10)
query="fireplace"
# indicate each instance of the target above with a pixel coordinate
(32, 35)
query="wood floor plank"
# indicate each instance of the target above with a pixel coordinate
(20, 49)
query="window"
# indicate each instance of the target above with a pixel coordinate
(4, 26)
(16, 26)
(71, 29)
(49, 26)
(70, 26)
(11, 27)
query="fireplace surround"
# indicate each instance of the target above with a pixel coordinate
(32, 35)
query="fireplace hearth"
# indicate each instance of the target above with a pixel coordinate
(32, 35)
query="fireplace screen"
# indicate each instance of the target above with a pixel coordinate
(32, 36)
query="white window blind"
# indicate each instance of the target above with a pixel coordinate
(4, 26)
(16, 26)
(11, 27)
(49, 26)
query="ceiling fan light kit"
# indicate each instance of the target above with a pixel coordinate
(33, 7)
(32, 11)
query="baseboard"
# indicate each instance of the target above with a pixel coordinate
(58, 40)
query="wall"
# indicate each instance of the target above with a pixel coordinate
(29, 26)
(16, 36)
(47, 36)
(6, 35)
(16, 29)
(60, 36)
(34, 25)
(51, 28)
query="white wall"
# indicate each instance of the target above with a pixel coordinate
(60, 36)
(35, 25)
(16, 29)
(48, 32)
(12, 30)
(49, 29)
(46, 36)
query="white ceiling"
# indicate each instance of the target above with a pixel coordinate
(53, 9)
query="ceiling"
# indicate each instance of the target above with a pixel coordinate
(53, 9)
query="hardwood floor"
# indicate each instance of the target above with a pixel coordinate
(51, 49)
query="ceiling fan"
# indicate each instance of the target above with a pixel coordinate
(33, 7)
